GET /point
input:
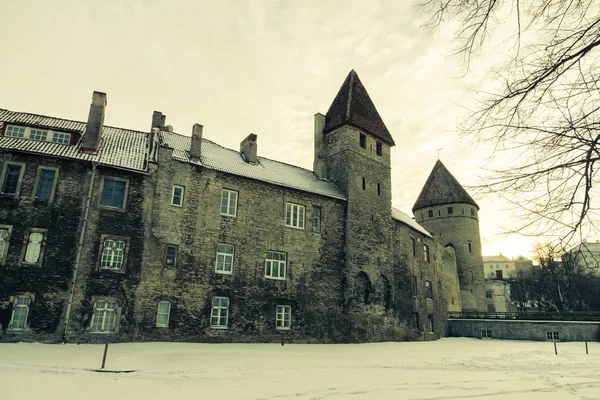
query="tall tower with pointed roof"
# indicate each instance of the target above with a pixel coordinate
(447, 211)
(352, 150)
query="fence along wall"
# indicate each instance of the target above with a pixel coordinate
(565, 331)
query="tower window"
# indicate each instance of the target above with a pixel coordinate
(430, 213)
(426, 253)
(379, 149)
(472, 212)
(379, 189)
(364, 183)
(363, 140)
(470, 247)
(450, 211)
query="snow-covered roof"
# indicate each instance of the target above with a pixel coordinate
(219, 158)
(121, 148)
(405, 219)
(499, 258)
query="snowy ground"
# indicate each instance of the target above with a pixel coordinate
(453, 368)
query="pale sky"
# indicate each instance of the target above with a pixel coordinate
(263, 67)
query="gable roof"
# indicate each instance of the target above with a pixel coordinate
(120, 148)
(442, 188)
(226, 160)
(353, 106)
(405, 219)
(498, 259)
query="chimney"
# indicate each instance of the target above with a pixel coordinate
(158, 120)
(319, 163)
(93, 129)
(249, 148)
(196, 142)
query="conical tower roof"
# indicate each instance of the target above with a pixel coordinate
(353, 106)
(442, 188)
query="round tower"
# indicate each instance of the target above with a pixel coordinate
(447, 211)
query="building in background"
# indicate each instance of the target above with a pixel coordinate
(499, 267)
(586, 255)
(111, 234)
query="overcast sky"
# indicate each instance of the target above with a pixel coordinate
(263, 67)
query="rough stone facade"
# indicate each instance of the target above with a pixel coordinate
(137, 245)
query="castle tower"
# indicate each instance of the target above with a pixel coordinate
(352, 150)
(446, 210)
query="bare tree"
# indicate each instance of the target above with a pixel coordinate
(545, 112)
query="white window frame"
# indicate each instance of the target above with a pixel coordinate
(51, 135)
(227, 197)
(19, 306)
(6, 242)
(125, 249)
(272, 264)
(167, 253)
(159, 314)
(3, 177)
(27, 242)
(295, 215)
(173, 203)
(226, 257)
(216, 311)
(104, 310)
(283, 317)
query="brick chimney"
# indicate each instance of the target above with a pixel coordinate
(196, 142)
(93, 129)
(319, 162)
(249, 148)
(158, 120)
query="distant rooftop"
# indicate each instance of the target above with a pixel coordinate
(499, 258)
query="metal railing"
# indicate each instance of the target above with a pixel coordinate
(546, 315)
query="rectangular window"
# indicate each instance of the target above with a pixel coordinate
(171, 256)
(113, 254)
(275, 265)
(34, 247)
(428, 290)
(364, 183)
(45, 183)
(450, 211)
(553, 336)
(413, 246)
(317, 219)
(379, 148)
(430, 213)
(220, 312)
(15, 131)
(363, 140)
(113, 193)
(486, 334)
(61, 138)
(294, 215)
(224, 263)
(379, 189)
(284, 317)
(470, 247)
(162, 315)
(472, 212)
(105, 317)
(488, 294)
(12, 177)
(413, 285)
(229, 203)
(38, 134)
(4, 241)
(426, 252)
(177, 196)
(20, 313)
(430, 318)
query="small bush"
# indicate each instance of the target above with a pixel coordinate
(374, 324)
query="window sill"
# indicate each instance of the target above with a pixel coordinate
(228, 215)
(177, 205)
(283, 329)
(102, 333)
(18, 330)
(219, 328)
(223, 272)
(275, 279)
(116, 270)
(294, 227)
(109, 208)
(162, 326)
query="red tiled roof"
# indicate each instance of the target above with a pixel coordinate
(442, 188)
(353, 106)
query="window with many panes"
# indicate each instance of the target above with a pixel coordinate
(34, 246)
(317, 219)
(488, 294)
(554, 336)
(162, 314)
(486, 334)
(224, 262)
(15, 131)
(61, 138)
(20, 313)
(45, 183)
(177, 196)
(113, 254)
(38, 134)
(275, 265)
(428, 290)
(4, 241)
(113, 193)
(284, 317)
(11, 178)
(105, 316)
(171, 256)
(219, 315)
(229, 200)
(294, 215)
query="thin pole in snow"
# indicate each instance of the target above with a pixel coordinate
(586, 348)
(104, 358)
(555, 351)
